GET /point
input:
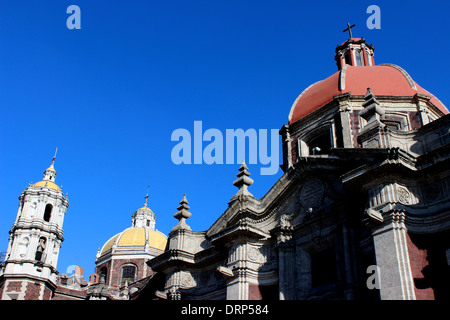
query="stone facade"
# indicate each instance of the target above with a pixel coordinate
(357, 214)
(360, 212)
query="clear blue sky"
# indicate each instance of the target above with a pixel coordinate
(111, 94)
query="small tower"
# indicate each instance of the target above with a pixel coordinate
(354, 52)
(144, 217)
(29, 271)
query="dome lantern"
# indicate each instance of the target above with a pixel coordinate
(354, 52)
(144, 216)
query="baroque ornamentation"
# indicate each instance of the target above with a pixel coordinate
(404, 196)
(186, 280)
(254, 254)
(312, 193)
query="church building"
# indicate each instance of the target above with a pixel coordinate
(360, 212)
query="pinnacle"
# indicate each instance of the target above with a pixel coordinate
(243, 180)
(369, 98)
(243, 166)
(182, 214)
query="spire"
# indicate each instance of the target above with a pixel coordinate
(50, 172)
(243, 181)
(182, 215)
(54, 157)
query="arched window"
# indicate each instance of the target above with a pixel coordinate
(94, 278)
(48, 212)
(317, 141)
(103, 274)
(359, 58)
(320, 144)
(348, 58)
(128, 274)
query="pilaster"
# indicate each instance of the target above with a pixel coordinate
(392, 259)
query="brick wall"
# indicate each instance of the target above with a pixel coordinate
(116, 274)
(253, 292)
(14, 286)
(33, 291)
(114, 267)
(47, 294)
(62, 293)
(414, 120)
(418, 261)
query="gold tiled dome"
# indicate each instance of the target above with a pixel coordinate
(46, 183)
(133, 240)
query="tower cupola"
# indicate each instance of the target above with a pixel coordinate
(354, 52)
(144, 217)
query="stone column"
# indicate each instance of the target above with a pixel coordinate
(303, 261)
(238, 286)
(344, 114)
(391, 252)
(286, 271)
(349, 271)
(286, 258)
(421, 102)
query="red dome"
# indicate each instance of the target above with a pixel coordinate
(386, 79)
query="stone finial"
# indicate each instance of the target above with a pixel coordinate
(372, 111)
(371, 135)
(243, 181)
(182, 215)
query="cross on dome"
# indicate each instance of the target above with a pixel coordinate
(349, 29)
(146, 197)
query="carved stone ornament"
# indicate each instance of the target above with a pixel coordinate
(187, 281)
(285, 220)
(312, 193)
(404, 196)
(254, 254)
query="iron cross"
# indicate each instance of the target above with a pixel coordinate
(146, 197)
(349, 29)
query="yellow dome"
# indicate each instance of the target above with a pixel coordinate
(46, 183)
(51, 168)
(133, 240)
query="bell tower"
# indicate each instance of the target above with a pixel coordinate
(29, 271)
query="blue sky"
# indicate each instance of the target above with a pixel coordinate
(110, 95)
